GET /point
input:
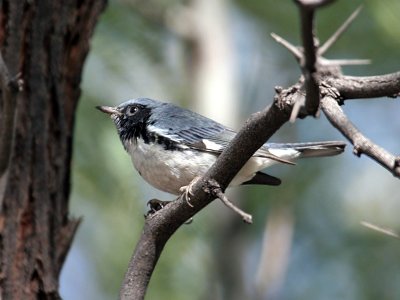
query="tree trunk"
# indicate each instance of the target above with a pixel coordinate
(43, 43)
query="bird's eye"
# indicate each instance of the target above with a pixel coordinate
(132, 110)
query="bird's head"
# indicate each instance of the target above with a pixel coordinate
(132, 117)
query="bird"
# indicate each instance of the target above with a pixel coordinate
(170, 146)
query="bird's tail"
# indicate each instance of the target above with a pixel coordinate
(311, 149)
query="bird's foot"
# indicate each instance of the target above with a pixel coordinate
(187, 190)
(155, 205)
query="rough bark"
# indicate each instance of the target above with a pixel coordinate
(44, 43)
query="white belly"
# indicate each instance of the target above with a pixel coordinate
(168, 170)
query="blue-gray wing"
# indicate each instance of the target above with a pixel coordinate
(196, 131)
(186, 127)
(216, 142)
(190, 129)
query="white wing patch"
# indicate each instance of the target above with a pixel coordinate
(211, 145)
(287, 153)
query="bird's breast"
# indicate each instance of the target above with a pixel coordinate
(168, 170)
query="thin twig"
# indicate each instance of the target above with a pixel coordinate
(290, 47)
(344, 62)
(362, 145)
(380, 229)
(9, 90)
(325, 47)
(214, 188)
(247, 218)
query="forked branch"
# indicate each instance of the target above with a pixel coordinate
(362, 145)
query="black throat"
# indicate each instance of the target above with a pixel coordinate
(135, 128)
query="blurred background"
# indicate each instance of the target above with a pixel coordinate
(217, 58)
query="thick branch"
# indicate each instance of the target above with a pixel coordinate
(353, 87)
(160, 226)
(362, 145)
(309, 61)
(309, 58)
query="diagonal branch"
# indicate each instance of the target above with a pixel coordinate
(362, 145)
(214, 188)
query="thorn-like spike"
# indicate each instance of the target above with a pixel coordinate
(328, 44)
(292, 48)
(299, 103)
(347, 62)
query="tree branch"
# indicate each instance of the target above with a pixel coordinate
(308, 63)
(353, 87)
(362, 145)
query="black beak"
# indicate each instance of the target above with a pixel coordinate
(109, 110)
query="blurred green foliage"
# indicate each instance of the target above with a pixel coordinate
(134, 53)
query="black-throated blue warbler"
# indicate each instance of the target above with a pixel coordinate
(170, 146)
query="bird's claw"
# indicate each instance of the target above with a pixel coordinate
(155, 205)
(187, 190)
